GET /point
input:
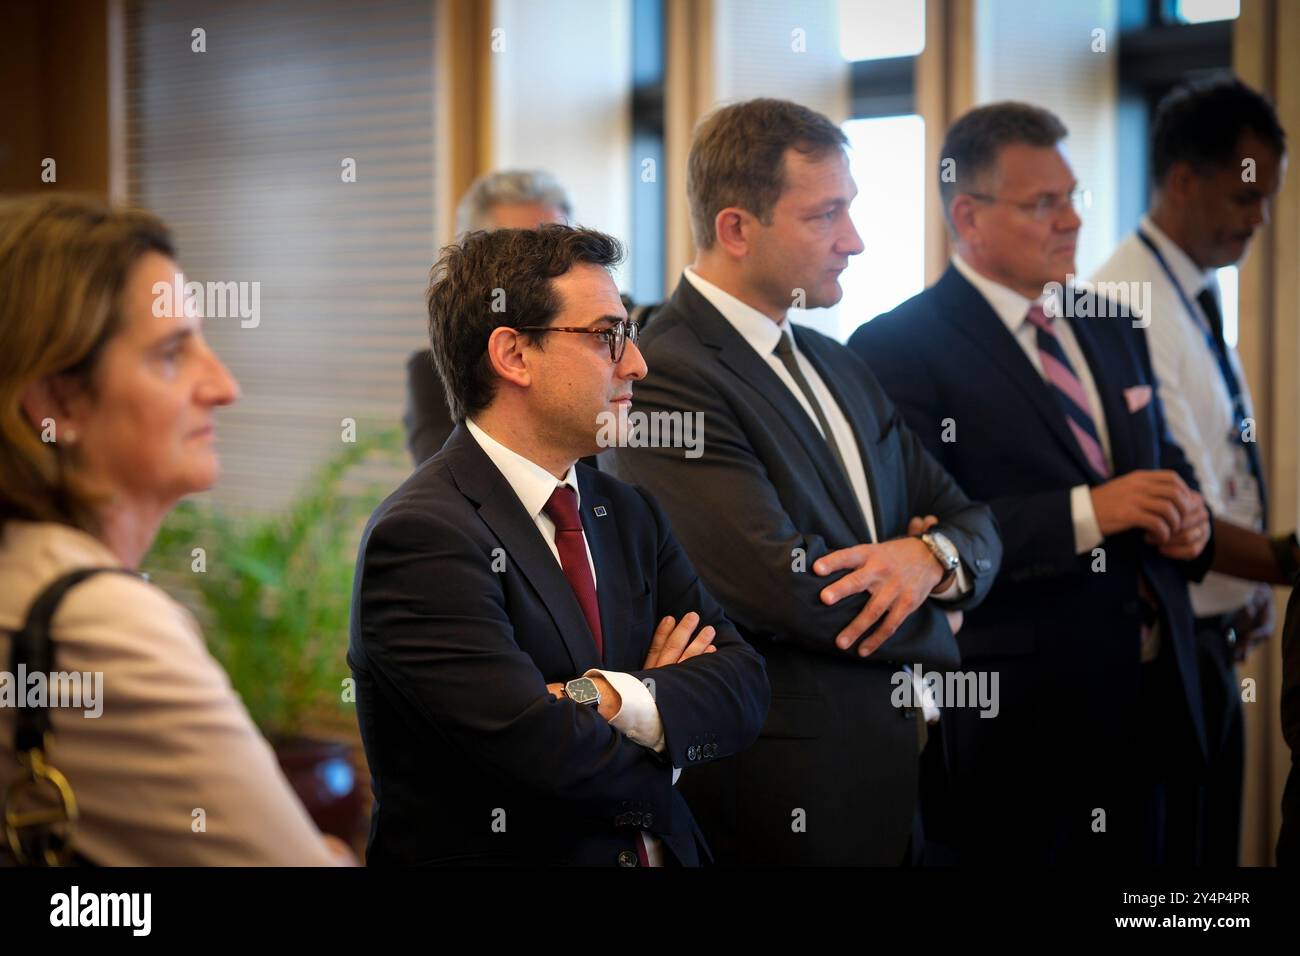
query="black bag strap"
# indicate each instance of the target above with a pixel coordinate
(32, 649)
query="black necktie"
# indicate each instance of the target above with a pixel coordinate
(785, 352)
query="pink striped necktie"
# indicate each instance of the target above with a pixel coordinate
(1074, 403)
(1069, 391)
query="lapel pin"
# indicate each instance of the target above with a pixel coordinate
(599, 511)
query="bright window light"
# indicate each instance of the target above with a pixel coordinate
(876, 29)
(1228, 293)
(1204, 11)
(887, 157)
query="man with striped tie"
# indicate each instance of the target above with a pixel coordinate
(1053, 420)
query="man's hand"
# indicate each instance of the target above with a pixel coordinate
(900, 575)
(672, 641)
(1192, 537)
(611, 702)
(1155, 501)
(1254, 623)
(920, 525)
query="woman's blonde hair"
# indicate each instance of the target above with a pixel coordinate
(64, 262)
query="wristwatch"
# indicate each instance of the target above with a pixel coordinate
(583, 690)
(944, 552)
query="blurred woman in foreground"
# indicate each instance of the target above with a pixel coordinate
(106, 422)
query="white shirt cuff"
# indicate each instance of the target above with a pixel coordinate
(638, 717)
(1087, 533)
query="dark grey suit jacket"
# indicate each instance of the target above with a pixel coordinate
(764, 501)
(427, 419)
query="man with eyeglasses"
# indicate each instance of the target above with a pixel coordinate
(1218, 158)
(535, 658)
(1053, 419)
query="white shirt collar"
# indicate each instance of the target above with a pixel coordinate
(1011, 307)
(532, 483)
(757, 329)
(1191, 277)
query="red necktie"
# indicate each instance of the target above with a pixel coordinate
(562, 508)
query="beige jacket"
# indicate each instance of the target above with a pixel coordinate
(172, 772)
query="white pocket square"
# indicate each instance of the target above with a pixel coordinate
(1138, 397)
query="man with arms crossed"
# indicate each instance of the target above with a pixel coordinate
(533, 652)
(805, 509)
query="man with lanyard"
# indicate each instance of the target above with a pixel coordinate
(1218, 159)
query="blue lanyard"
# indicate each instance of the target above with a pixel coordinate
(1236, 433)
(1220, 355)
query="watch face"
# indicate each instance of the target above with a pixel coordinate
(948, 553)
(582, 690)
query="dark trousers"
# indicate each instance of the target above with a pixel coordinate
(1133, 811)
(1212, 810)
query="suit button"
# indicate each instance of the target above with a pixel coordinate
(647, 820)
(627, 858)
(692, 752)
(982, 564)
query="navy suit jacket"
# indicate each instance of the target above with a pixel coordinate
(1062, 634)
(460, 618)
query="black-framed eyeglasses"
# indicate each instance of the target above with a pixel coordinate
(616, 336)
(1047, 206)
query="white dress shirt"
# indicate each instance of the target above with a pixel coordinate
(1197, 406)
(1013, 308)
(763, 334)
(638, 716)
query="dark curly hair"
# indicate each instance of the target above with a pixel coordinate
(499, 278)
(1201, 123)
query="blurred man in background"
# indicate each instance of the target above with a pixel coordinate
(1218, 158)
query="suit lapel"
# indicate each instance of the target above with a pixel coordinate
(501, 510)
(739, 356)
(969, 312)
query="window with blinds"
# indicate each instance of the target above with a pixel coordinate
(290, 144)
